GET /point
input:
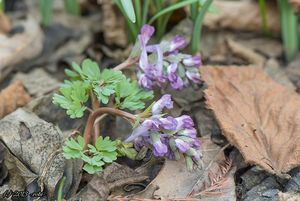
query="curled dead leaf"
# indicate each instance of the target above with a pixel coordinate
(20, 47)
(12, 97)
(257, 115)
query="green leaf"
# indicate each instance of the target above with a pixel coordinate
(91, 70)
(92, 169)
(105, 144)
(74, 95)
(130, 96)
(71, 74)
(129, 10)
(109, 157)
(72, 148)
(171, 8)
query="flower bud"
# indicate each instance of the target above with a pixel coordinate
(178, 42)
(192, 61)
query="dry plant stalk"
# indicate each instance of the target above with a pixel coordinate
(12, 97)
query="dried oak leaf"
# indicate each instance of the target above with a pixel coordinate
(12, 97)
(257, 115)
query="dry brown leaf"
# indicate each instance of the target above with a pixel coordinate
(175, 181)
(5, 25)
(257, 115)
(113, 25)
(20, 47)
(12, 97)
(242, 15)
(288, 196)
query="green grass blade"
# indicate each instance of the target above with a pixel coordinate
(171, 8)
(129, 10)
(194, 10)
(133, 29)
(289, 29)
(60, 189)
(263, 16)
(72, 7)
(2, 6)
(46, 11)
(196, 35)
(138, 9)
(145, 11)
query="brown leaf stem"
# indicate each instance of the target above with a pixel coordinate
(100, 111)
(128, 62)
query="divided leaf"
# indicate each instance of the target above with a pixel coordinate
(73, 149)
(130, 96)
(74, 95)
(257, 115)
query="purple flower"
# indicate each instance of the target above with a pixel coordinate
(146, 33)
(175, 81)
(168, 123)
(160, 149)
(178, 42)
(182, 145)
(143, 129)
(144, 81)
(192, 61)
(184, 121)
(164, 102)
(193, 76)
(189, 132)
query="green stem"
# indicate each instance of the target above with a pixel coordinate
(263, 15)
(60, 189)
(289, 29)
(196, 35)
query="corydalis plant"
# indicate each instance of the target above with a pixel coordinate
(163, 63)
(88, 80)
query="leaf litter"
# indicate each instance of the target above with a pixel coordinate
(257, 115)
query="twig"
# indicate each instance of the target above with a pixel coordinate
(100, 111)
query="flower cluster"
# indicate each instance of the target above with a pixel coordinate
(160, 63)
(168, 136)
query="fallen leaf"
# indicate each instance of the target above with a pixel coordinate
(20, 47)
(113, 24)
(257, 115)
(102, 183)
(230, 12)
(5, 25)
(174, 181)
(35, 146)
(12, 97)
(38, 82)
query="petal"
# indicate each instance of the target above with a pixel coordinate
(164, 102)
